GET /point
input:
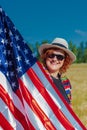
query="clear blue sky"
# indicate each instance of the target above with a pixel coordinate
(39, 20)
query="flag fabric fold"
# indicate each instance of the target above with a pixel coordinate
(28, 98)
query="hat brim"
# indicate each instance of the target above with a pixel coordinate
(48, 46)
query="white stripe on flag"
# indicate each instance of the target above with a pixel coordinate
(55, 96)
(41, 101)
(5, 109)
(16, 101)
(37, 124)
(1, 128)
(10, 118)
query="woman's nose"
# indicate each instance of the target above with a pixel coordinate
(55, 58)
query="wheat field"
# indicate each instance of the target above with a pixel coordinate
(77, 73)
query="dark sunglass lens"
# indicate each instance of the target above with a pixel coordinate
(51, 55)
(60, 57)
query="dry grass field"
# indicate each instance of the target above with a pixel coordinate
(77, 74)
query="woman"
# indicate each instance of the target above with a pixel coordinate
(56, 58)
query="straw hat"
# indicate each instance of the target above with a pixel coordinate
(59, 43)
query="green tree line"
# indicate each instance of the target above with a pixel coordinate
(80, 51)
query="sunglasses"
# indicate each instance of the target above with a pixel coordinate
(58, 56)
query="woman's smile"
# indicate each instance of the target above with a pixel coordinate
(55, 61)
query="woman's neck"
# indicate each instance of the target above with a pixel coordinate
(55, 75)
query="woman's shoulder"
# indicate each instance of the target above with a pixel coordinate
(67, 86)
(64, 78)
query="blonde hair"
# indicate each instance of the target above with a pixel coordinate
(67, 61)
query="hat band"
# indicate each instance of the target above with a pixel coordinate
(58, 44)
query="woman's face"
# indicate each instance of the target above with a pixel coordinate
(55, 60)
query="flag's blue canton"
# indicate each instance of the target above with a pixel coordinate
(15, 56)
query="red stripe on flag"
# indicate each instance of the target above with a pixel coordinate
(64, 121)
(20, 95)
(67, 106)
(35, 107)
(16, 113)
(31, 127)
(4, 123)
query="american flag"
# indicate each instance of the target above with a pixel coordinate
(28, 98)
